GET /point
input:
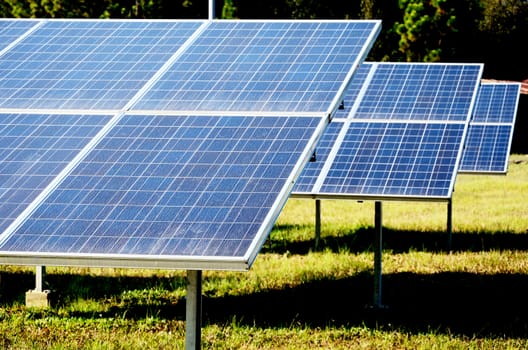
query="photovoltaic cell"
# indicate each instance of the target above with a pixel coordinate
(487, 147)
(33, 150)
(263, 66)
(171, 185)
(87, 64)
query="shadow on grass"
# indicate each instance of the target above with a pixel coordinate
(446, 303)
(124, 296)
(400, 241)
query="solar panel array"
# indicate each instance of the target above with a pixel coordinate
(168, 144)
(491, 130)
(399, 136)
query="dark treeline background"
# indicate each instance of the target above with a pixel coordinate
(493, 32)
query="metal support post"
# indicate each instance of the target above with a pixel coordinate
(40, 274)
(317, 223)
(193, 311)
(449, 225)
(378, 222)
(211, 9)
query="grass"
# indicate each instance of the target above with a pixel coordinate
(297, 298)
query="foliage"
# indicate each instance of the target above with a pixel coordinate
(101, 9)
(386, 46)
(502, 33)
(229, 10)
(55, 8)
(425, 24)
(504, 17)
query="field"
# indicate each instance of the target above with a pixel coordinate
(474, 297)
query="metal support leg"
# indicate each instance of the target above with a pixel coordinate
(40, 273)
(193, 311)
(450, 225)
(212, 9)
(317, 223)
(378, 222)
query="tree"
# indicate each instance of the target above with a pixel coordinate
(503, 31)
(229, 10)
(385, 47)
(425, 26)
(56, 8)
(103, 9)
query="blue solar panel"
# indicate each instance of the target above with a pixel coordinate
(85, 64)
(419, 92)
(487, 149)
(11, 29)
(170, 186)
(392, 144)
(395, 159)
(490, 132)
(496, 103)
(263, 66)
(33, 150)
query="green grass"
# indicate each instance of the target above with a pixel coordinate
(297, 298)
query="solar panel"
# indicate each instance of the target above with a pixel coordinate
(415, 91)
(87, 64)
(193, 188)
(263, 66)
(402, 138)
(34, 149)
(490, 132)
(11, 30)
(497, 103)
(169, 181)
(395, 159)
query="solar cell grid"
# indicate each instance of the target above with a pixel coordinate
(171, 185)
(496, 103)
(402, 137)
(311, 172)
(419, 92)
(354, 89)
(490, 132)
(33, 150)
(262, 66)
(11, 29)
(208, 126)
(84, 64)
(395, 159)
(487, 148)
